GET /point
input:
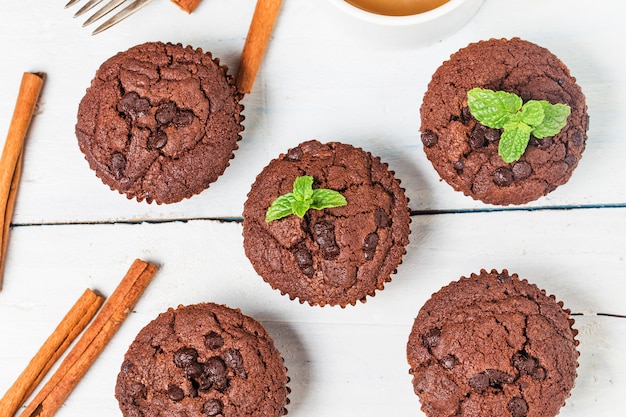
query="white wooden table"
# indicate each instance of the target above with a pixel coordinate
(318, 81)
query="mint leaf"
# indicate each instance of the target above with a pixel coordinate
(532, 113)
(281, 207)
(502, 110)
(513, 141)
(299, 208)
(323, 198)
(303, 198)
(303, 188)
(493, 108)
(554, 120)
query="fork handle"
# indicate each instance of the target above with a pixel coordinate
(187, 5)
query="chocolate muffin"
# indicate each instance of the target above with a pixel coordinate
(334, 256)
(202, 360)
(160, 122)
(492, 345)
(465, 153)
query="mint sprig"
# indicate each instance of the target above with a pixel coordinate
(302, 198)
(502, 110)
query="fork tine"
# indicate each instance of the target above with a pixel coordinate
(104, 10)
(71, 3)
(124, 13)
(88, 6)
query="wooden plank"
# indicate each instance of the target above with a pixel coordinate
(347, 359)
(317, 81)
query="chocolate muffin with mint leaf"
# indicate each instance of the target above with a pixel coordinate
(525, 133)
(326, 223)
(492, 345)
(160, 122)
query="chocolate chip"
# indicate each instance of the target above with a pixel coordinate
(137, 389)
(503, 177)
(215, 375)
(523, 363)
(479, 382)
(213, 340)
(204, 383)
(215, 366)
(449, 361)
(490, 378)
(185, 356)
(127, 366)
(166, 112)
(542, 144)
(429, 138)
(325, 238)
(492, 135)
(539, 373)
(518, 407)
(183, 118)
(578, 138)
(369, 245)
(477, 137)
(431, 339)
(175, 393)
(571, 160)
(466, 114)
(118, 164)
(458, 166)
(234, 360)
(497, 377)
(521, 170)
(212, 407)
(133, 105)
(294, 154)
(304, 259)
(193, 370)
(157, 140)
(220, 382)
(381, 218)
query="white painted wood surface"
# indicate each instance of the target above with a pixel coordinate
(71, 232)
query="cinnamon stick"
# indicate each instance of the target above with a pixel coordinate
(78, 361)
(63, 335)
(265, 14)
(10, 162)
(187, 5)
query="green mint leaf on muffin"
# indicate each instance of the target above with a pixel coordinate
(302, 198)
(555, 118)
(518, 120)
(493, 108)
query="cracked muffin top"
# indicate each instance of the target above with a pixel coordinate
(160, 122)
(465, 153)
(202, 360)
(334, 256)
(492, 345)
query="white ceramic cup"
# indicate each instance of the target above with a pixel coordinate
(405, 31)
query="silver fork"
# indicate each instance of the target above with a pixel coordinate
(131, 8)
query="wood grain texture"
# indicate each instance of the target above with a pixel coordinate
(353, 358)
(317, 81)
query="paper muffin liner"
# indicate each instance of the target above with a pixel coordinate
(316, 299)
(448, 310)
(115, 184)
(465, 154)
(189, 335)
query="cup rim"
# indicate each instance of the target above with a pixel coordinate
(407, 20)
